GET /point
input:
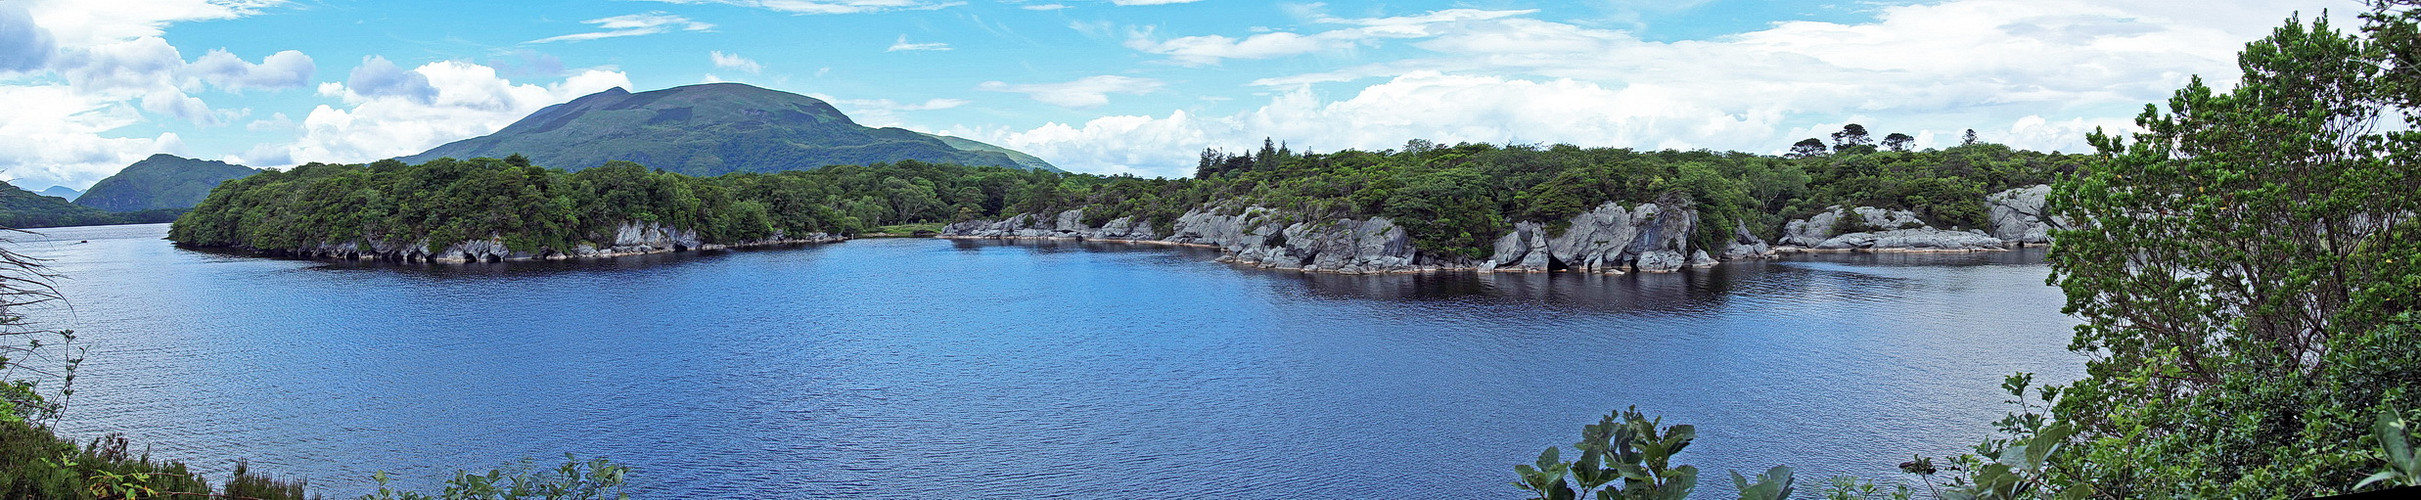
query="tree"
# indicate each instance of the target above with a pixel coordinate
(1807, 148)
(1208, 167)
(1898, 142)
(1851, 135)
(2245, 270)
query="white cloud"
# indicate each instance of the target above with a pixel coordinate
(464, 100)
(827, 6)
(378, 77)
(276, 121)
(88, 22)
(2030, 73)
(282, 70)
(1082, 93)
(1211, 49)
(1045, 6)
(884, 112)
(734, 61)
(24, 45)
(83, 71)
(903, 44)
(631, 25)
(59, 135)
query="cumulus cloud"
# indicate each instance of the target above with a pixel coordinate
(282, 70)
(885, 112)
(827, 6)
(2030, 73)
(59, 135)
(903, 44)
(734, 61)
(631, 25)
(24, 46)
(392, 115)
(1082, 93)
(378, 77)
(1211, 49)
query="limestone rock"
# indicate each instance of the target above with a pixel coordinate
(2018, 215)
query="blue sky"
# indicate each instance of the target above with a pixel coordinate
(1127, 86)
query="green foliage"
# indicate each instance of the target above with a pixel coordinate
(2395, 435)
(24, 209)
(161, 182)
(538, 209)
(2245, 273)
(595, 479)
(1453, 201)
(1637, 451)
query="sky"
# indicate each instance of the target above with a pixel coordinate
(1112, 87)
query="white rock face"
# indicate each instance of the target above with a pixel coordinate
(630, 238)
(2018, 215)
(1812, 231)
(1903, 232)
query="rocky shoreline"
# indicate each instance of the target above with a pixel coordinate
(630, 238)
(1610, 239)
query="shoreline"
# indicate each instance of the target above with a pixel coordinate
(452, 258)
(1227, 257)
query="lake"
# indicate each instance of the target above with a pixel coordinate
(934, 368)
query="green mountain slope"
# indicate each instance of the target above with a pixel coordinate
(1023, 160)
(24, 209)
(161, 182)
(710, 129)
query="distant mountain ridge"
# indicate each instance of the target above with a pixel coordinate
(163, 181)
(712, 129)
(61, 192)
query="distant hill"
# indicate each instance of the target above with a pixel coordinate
(713, 129)
(1023, 160)
(24, 209)
(61, 192)
(161, 182)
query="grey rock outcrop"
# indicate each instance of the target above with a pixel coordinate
(1890, 231)
(1812, 231)
(1745, 245)
(1914, 240)
(630, 238)
(2018, 215)
(1609, 239)
(1065, 225)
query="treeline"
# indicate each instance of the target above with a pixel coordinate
(2246, 276)
(1453, 200)
(25, 209)
(533, 207)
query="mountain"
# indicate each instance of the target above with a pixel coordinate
(161, 182)
(24, 209)
(61, 192)
(1023, 160)
(712, 129)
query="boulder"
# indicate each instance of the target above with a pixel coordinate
(2018, 215)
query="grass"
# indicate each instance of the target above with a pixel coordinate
(902, 230)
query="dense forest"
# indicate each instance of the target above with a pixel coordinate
(2246, 272)
(24, 209)
(1453, 200)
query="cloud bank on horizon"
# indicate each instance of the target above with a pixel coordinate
(1135, 87)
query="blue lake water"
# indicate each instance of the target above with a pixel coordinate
(922, 368)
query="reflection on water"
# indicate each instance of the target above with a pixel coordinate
(1016, 370)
